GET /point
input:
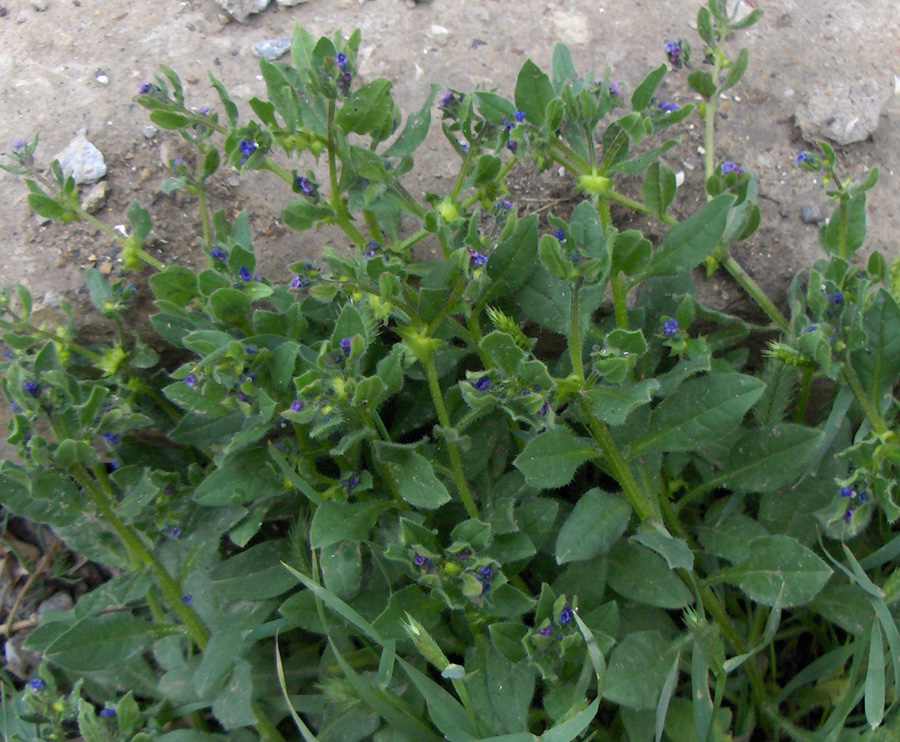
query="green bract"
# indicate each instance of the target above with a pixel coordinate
(397, 501)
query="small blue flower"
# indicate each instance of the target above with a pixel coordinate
(218, 253)
(345, 345)
(30, 387)
(190, 380)
(244, 273)
(731, 167)
(614, 89)
(504, 204)
(486, 572)
(341, 60)
(306, 185)
(463, 554)
(371, 249)
(837, 297)
(250, 349)
(512, 145)
(520, 116)
(344, 80)
(203, 109)
(247, 147)
(297, 405)
(565, 615)
(111, 438)
(812, 328)
(110, 711)
(351, 482)
(670, 327)
(848, 514)
(544, 408)
(507, 124)
(546, 631)
(863, 497)
(446, 100)
(559, 234)
(667, 107)
(19, 144)
(423, 562)
(146, 88)
(482, 383)
(36, 684)
(673, 51)
(174, 531)
(187, 600)
(298, 282)
(477, 258)
(846, 492)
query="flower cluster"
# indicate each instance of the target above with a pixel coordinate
(675, 53)
(861, 497)
(730, 167)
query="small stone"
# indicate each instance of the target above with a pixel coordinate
(39, 5)
(102, 78)
(234, 181)
(439, 34)
(95, 198)
(149, 131)
(272, 49)
(240, 10)
(56, 602)
(290, 3)
(191, 79)
(145, 174)
(842, 112)
(19, 661)
(810, 214)
(82, 160)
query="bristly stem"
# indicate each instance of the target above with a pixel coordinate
(803, 398)
(575, 331)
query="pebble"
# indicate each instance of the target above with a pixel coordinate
(102, 78)
(82, 160)
(240, 10)
(290, 3)
(19, 661)
(841, 111)
(272, 49)
(56, 602)
(95, 198)
(439, 34)
(39, 5)
(810, 214)
(149, 131)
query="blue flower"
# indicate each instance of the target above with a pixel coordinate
(146, 88)
(614, 89)
(565, 615)
(673, 51)
(520, 116)
(837, 297)
(190, 380)
(112, 712)
(512, 145)
(507, 124)
(804, 157)
(863, 497)
(846, 492)
(477, 258)
(345, 345)
(218, 253)
(19, 144)
(731, 167)
(482, 383)
(306, 185)
(423, 561)
(344, 80)
(187, 600)
(297, 405)
(111, 438)
(174, 531)
(504, 204)
(485, 573)
(446, 100)
(341, 60)
(371, 249)
(30, 387)
(546, 631)
(559, 234)
(36, 684)
(247, 147)
(351, 482)
(667, 107)
(848, 514)
(670, 327)
(244, 273)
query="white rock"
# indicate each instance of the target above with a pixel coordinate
(290, 3)
(149, 131)
(82, 160)
(95, 198)
(39, 5)
(240, 10)
(841, 111)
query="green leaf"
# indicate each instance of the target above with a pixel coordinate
(175, 283)
(637, 670)
(752, 17)
(494, 107)
(658, 187)
(690, 241)
(655, 537)
(242, 477)
(875, 681)
(562, 68)
(169, 119)
(369, 110)
(502, 350)
(101, 642)
(550, 459)
(705, 26)
(878, 363)
(413, 475)
(642, 94)
(777, 561)
(45, 206)
(445, 711)
(233, 707)
(736, 70)
(335, 522)
(254, 574)
(613, 404)
(513, 261)
(415, 131)
(638, 574)
(699, 412)
(769, 458)
(552, 258)
(533, 92)
(568, 730)
(702, 82)
(594, 525)
(852, 218)
(301, 215)
(231, 111)
(342, 569)
(218, 659)
(230, 306)
(140, 221)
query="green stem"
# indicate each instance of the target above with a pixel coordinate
(712, 105)
(871, 412)
(204, 220)
(803, 399)
(135, 545)
(448, 305)
(575, 163)
(842, 244)
(452, 449)
(756, 293)
(412, 240)
(639, 502)
(342, 217)
(575, 333)
(619, 301)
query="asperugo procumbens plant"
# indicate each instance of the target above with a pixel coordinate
(364, 505)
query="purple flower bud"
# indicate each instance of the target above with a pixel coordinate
(297, 405)
(244, 273)
(486, 572)
(107, 712)
(477, 258)
(146, 88)
(175, 532)
(371, 248)
(306, 185)
(350, 482)
(203, 109)
(446, 99)
(804, 157)
(418, 559)
(863, 497)
(298, 283)
(846, 492)
(512, 145)
(565, 615)
(667, 107)
(36, 684)
(559, 234)
(19, 144)
(218, 253)
(111, 438)
(190, 380)
(837, 297)
(507, 124)
(848, 514)
(614, 89)
(673, 51)
(187, 599)
(30, 387)
(730, 167)
(544, 408)
(670, 327)
(482, 383)
(546, 631)
(345, 345)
